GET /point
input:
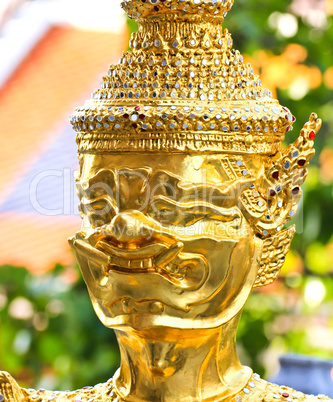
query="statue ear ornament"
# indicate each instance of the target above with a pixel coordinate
(273, 202)
(273, 199)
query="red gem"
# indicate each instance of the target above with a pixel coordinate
(294, 118)
(288, 128)
(275, 174)
(126, 116)
(134, 125)
(137, 108)
(285, 109)
(286, 117)
(285, 395)
(312, 135)
(272, 193)
(142, 116)
(301, 162)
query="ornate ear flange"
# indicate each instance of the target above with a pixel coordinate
(273, 255)
(280, 187)
(273, 202)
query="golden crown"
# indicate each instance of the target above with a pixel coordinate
(182, 88)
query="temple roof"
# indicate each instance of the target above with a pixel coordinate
(37, 147)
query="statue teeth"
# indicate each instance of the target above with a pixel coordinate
(147, 263)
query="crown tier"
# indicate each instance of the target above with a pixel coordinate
(138, 9)
(181, 88)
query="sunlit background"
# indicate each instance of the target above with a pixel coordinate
(53, 54)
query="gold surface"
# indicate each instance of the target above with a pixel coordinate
(184, 193)
(255, 389)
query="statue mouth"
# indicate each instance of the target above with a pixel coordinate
(185, 270)
(171, 270)
(166, 260)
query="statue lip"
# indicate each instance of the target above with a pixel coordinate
(155, 257)
(184, 270)
(144, 252)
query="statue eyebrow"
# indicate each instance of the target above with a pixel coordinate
(200, 193)
(199, 208)
(179, 183)
(224, 194)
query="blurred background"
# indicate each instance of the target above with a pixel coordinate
(53, 54)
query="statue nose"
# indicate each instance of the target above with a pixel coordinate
(135, 227)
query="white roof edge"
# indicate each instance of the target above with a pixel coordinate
(19, 36)
(33, 19)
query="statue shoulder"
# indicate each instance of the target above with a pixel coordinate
(277, 393)
(259, 390)
(10, 391)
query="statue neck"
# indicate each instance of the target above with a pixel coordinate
(164, 364)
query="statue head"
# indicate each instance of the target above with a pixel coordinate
(184, 189)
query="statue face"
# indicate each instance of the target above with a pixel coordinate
(163, 241)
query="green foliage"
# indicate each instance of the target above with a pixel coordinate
(50, 335)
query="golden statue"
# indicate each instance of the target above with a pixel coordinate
(184, 194)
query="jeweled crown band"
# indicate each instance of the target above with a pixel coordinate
(179, 128)
(175, 143)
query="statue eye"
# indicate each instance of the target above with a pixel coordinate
(99, 211)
